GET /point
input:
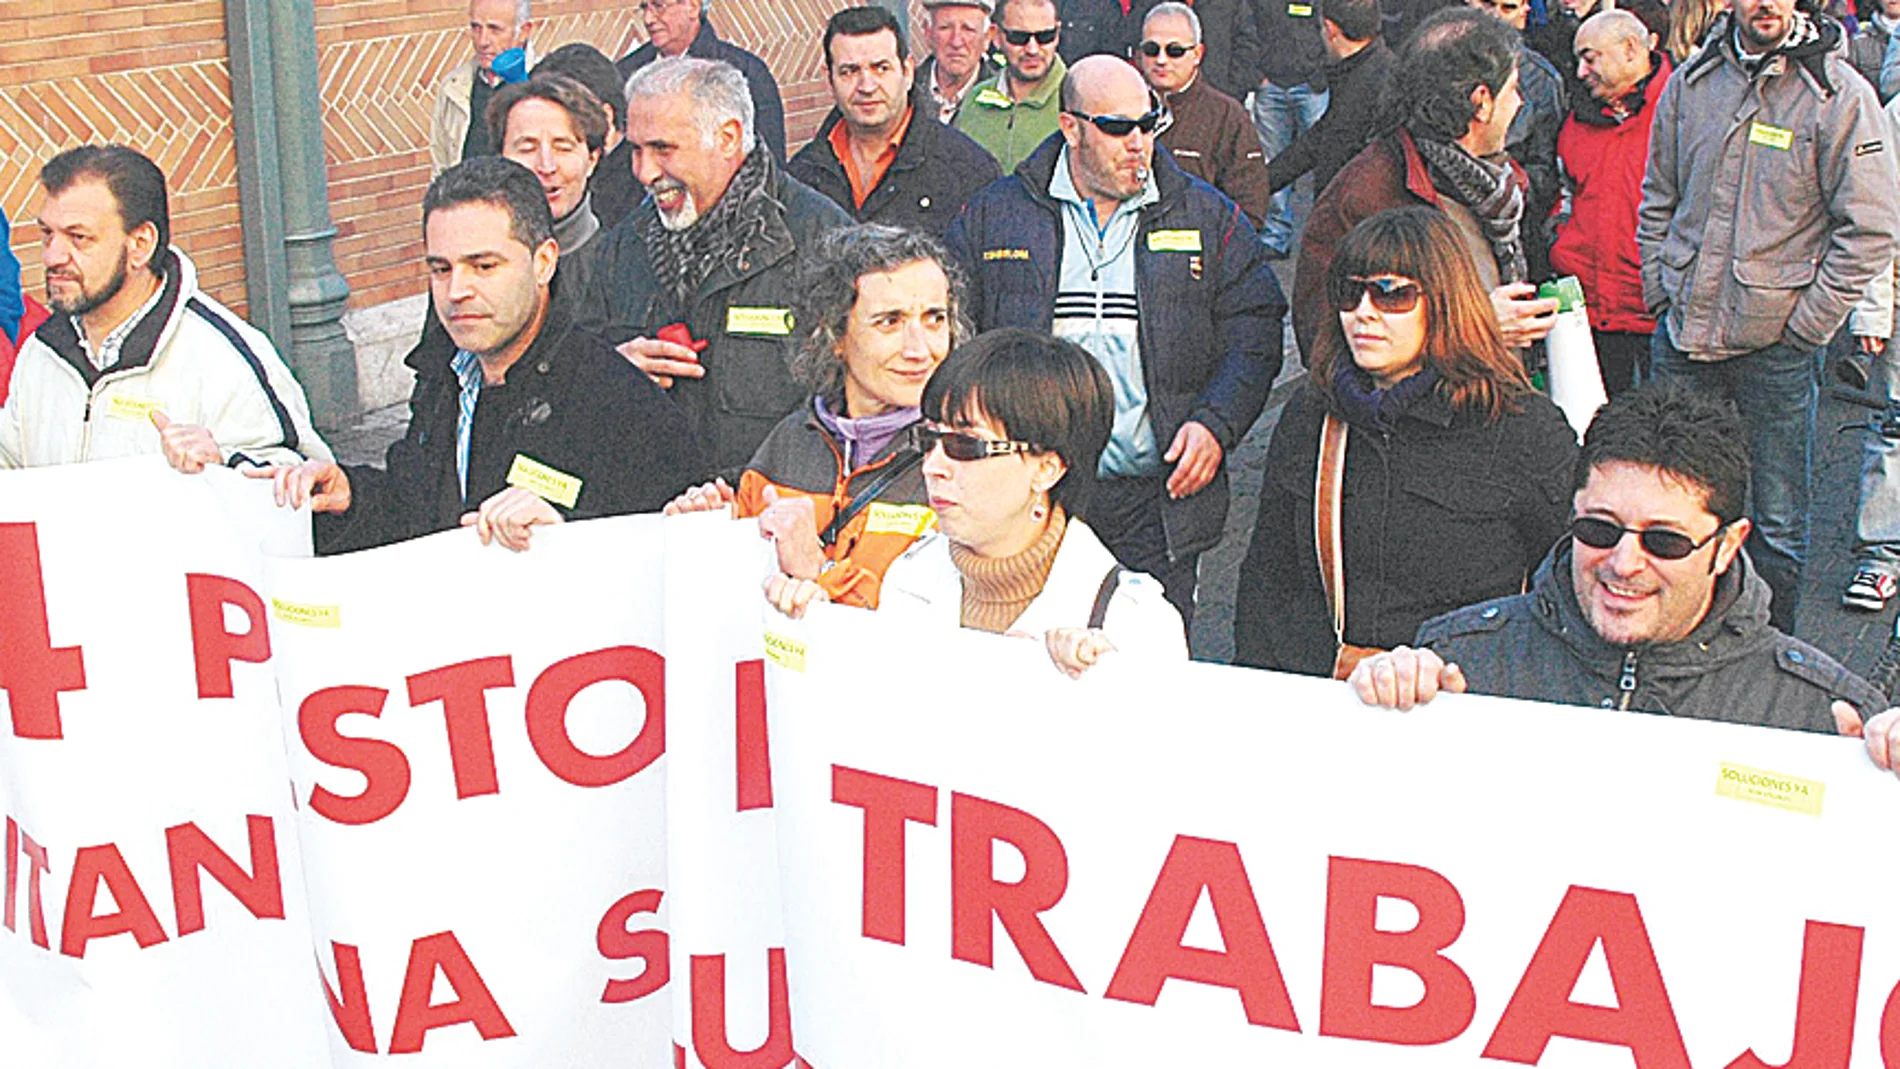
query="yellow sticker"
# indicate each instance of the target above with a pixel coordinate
(908, 520)
(994, 97)
(1760, 133)
(773, 322)
(1792, 793)
(1300, 11)
(537, 478)
(131, 409)
(1005, 254)
(1174, 241)
(290, 612)
(785, 652)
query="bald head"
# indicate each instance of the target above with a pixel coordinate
(1105, 85)
(1108, 168)
(1613, 54)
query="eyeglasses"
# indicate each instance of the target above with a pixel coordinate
(1020, 38)
(1391, 296)
(1658, 542)
(1175, 49)
(656, 6)
(960, 446)
(1157, 119)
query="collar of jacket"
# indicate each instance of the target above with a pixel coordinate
(543, 352)
(1039, 168)
(146, 338)
(706, 42)
(1339, 68)
(1810, 57)
(1045, 92)
(1418, 178)
(1593, 112)
(912, 152)
(1735, 626)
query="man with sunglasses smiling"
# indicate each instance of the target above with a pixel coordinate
(1650, 604)
(1212, 137)
(1102, 241)
(1013, 114)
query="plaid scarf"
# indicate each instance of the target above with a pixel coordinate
(1493, 193)
(725, 234)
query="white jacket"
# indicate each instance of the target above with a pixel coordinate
(190, 357)
(924, 585)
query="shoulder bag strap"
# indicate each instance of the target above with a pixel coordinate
(1328, 482)
(899, 467)
(1099, 612)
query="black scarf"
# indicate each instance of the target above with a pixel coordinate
(1363, 404)
(726, 233)
(1492, 192)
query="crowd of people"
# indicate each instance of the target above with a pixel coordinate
(980, 352)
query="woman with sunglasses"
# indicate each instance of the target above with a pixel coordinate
(836, 484)
(1419, 440)
(1014, 424)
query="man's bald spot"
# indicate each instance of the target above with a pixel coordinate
(1611, 27)
(1105, 85)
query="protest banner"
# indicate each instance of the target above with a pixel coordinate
(153, 902)
(985, 863)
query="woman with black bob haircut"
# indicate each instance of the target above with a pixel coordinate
(1415, 472)
(1014, 424)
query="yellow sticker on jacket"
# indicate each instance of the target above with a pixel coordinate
(1760, 133)
(908, 520)
(785, 652)
(990, 255)
(290, 612)
(1300, 11)
(772, 322)
(990, 96)
(131, 409)
(537, 478)
(1174, 241)
(1792, 793)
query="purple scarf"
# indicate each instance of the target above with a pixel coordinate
(866, 437)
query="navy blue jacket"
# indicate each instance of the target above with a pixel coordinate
(768, 110)
(1211, 318)
(12, 306)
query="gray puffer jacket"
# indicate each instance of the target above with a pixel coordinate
(1734, 667)
(1768, 202)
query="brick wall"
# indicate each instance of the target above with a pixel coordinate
(154, 75)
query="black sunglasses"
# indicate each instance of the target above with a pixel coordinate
(1157, 118)
(1020, 38)
(1175, 49)
(1658, 542)
(960, 446)
(1389, 295)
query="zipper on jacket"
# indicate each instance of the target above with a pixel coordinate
(1627, 681)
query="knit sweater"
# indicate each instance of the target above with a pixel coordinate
(997, 590)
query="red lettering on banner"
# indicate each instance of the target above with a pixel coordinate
(381, 763)
(12, 866)
(104, 864)
(887, 803)
(1890, 1030)
(754, 756)
(32, 672)
(36, 866)
(976, 894)
(1355, 943)
(1155, 953)
(1824, 1007)
(190, 851)
(617, 942)
(351, 1012)
(213, 648)
(463, 691)
(710, 1042)
(555, 688)
(473, 1004)
(1541, 1008)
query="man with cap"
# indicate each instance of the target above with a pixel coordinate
(958, 33)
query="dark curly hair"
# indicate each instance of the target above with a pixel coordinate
(1692, 436)
(1450, 54)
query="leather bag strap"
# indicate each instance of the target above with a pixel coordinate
(1328, 484)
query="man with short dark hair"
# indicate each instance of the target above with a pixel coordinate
(1212, 138)
(696, 287)
(518, 419)
(1015, 113)
(457, 131)
(1358, 66)
(957, 32)
(135, 359)
(1650, 604)
(875, 155)
(1532, 138)
(1102, 241)
(680, 28)
(612, 190)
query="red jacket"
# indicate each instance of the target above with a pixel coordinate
(1602, 161)
(36, 314)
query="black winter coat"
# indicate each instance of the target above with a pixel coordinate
(1447, 510)
(1212, 314)
(574, 405)
(743, 309)
(937, 169)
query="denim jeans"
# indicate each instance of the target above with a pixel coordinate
(1877, 521)
(1774, 389)
(1280, 114)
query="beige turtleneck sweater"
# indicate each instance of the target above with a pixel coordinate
(995, 592)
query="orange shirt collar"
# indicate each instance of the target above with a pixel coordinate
(862, 185)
